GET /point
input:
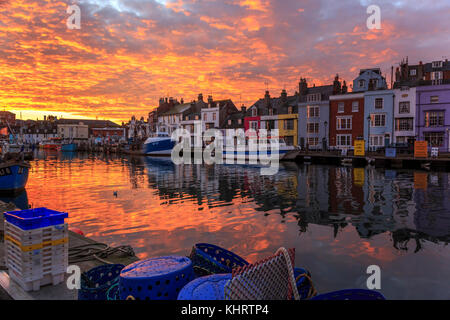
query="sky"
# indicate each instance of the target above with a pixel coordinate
(129, 53)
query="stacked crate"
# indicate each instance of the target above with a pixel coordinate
(36, 247)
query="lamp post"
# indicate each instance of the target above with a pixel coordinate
(368, 133)
(326, 136)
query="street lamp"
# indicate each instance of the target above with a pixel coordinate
(326, 135)
(368, 133)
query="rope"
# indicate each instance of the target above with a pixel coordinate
(312, 290)
(98, 251)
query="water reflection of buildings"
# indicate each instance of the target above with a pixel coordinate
(373, 201)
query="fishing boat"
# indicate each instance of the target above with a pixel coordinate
(52, 144)
(159, 145)
(68, 147)
(13, 175)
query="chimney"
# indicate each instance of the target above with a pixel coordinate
(210, 99)
(303, 87)
(200, 97)
(182, 101)
(336, 85)
(344, 87)
(267, 99)
(243, 109)
(283, 95)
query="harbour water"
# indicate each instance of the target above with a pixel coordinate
(340, 220)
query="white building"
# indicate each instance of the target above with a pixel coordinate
(211, 116)
(404, 114)
(172, 119)
(78, 131)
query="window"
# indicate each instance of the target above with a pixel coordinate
(229, 122)
(379, 103)
(239, 121)
(344, 140)
(341, 107)
(290, 110)
(313, 111)
(289, 140)
(404, 107)
(344, 123)
(404, 124)
(436, 76)
(434, 119)
(270, 124)
(313, 127)
(355, 106)
(435, 139)
(412, 72)
(254, 125)
(270, 112)
(437, 64)
(312, 142)
(205, 117)
(254, 112)
(434, 99)
(214, 116)
(376, 140)
(289, 124)
(378, 120)
(362, 83)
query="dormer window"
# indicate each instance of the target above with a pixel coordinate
(270, 112)
(437, 64)
(290, 110)
(254, 112)
(362, 83)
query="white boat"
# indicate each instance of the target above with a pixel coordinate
(245, 155)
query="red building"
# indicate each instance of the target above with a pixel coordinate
(108, 132)
(346, 120)
(6, 116)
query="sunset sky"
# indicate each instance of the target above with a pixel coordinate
(129, 53)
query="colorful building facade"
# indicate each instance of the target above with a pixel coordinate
(404, 115)
(346, 120)
(433, 116)
(378, 112)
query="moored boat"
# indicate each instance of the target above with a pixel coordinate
(69, 147)
(160, 145)
(52, 144)
(13, 176)
(238, 154)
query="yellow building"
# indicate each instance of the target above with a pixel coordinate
(288, 128)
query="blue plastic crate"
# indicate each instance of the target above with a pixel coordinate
(160, 278)
(35, 218)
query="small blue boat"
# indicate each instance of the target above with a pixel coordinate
(69, 147)
(13, 176)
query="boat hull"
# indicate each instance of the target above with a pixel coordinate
(159, 147)
(13, 177)
(245, 155)
(70, 147)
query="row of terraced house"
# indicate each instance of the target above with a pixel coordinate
(416, 106)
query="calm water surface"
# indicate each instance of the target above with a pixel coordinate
(339, 219)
